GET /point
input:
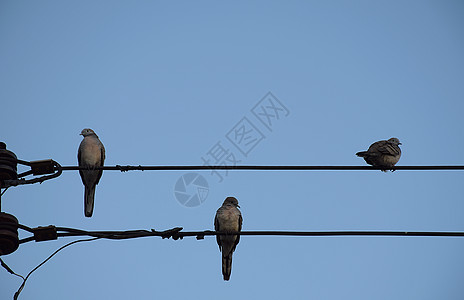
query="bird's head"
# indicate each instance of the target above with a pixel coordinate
(394, 141)
(86, 132)
(231, 201)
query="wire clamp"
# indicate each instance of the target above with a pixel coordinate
(45, 233)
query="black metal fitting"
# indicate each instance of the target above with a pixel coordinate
(41, 167)
(45, 233)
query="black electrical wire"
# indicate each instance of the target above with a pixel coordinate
(177, 233)
(259, 168)
(16, 295)
(4, 265)
(14, 182)
(1, 193)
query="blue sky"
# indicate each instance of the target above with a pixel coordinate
(162, 83)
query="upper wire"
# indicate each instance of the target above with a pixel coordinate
(255, 167)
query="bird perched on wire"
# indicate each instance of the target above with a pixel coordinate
(228, 219)
(91, 154)
(384, 154)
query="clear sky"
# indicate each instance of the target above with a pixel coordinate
(166, 83)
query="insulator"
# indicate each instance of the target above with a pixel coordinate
(8, 164)
(9, 240)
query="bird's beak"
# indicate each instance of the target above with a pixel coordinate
(400, 144)
(238, 206)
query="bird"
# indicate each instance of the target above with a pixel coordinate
(91, 154)
(228, 219)
(384, 154)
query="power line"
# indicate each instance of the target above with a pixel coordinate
(51, 232)
(259, 168)
(3, 264)
(51, 167)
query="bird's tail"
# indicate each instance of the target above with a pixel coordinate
(226, 266)
(89, 196)
(362, 153)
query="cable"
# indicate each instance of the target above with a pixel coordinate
(54, 167)
(261, 168)
(26, 228)
(1, 194)
(16, 295)
(9, 269)
(177, 233)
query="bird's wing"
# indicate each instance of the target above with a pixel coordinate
(217, 228)
(102, 161)
(389, 149)
(79, 160)
(240, 221)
